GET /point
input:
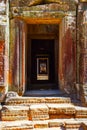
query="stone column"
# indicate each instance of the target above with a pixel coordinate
(83, 53)
(68, 53)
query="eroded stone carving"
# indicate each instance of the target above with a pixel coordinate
(11, 94)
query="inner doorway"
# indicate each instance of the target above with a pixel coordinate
(42, 60)
(41, 73)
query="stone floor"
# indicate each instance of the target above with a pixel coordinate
(44, 93)
(42, 113)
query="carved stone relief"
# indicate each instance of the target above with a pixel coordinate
(17, 7)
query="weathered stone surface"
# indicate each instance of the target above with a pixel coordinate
(12, 113)
(72, 124)
(59, 116)
(56, 123)
(39, 112)
(2, 33)
(2, 47)
(82, 55)
(83, 94)
(40, 124)
(40, 2)
(42, 14)
(69, 124)
(81, 112)
(2, 94)
(68, 61)
(41, 10)
(35, 100)
(17, 125)
(3, 20)
(2, 8)
(43, 29)
(2, 52)
(25, 100)
(34, 2)
(48, 7)
(57, 100)
(11, 94)
(61, 109)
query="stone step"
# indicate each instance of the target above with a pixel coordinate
(12, 113)
(61, 111)
(72, 125)
(17, 125)
(33, 100)
(81, 112)
(39, 112)
(42, 112)
(56, 124)
(35, 112)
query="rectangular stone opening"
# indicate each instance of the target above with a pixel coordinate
(42, 53)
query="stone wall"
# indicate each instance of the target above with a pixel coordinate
(82, 38)
(68, 53)
(3, 47)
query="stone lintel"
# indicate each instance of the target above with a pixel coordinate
(52, 10)
(40, 20)
(39, 15)
(42, 14)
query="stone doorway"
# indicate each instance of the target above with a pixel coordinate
(45, 21)
(42, 57)
(26, 35)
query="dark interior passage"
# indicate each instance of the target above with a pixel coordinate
(42, 71)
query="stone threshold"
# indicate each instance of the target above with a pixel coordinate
(45, 93)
